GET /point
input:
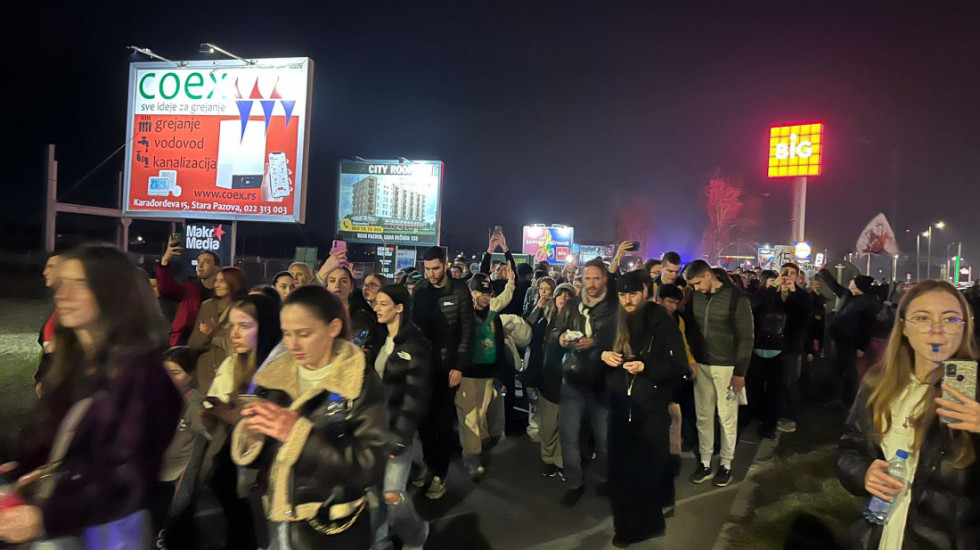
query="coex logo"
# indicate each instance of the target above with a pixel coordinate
(198, 237)
(168, 85)
(795, 150)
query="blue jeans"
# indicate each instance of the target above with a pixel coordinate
(575, 405)
(399, 518)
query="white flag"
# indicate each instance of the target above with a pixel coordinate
(877, 237)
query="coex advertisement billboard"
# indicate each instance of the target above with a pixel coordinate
(548, 243)
(390, 201)
(218, 140)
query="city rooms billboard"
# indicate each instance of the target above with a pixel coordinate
(218, 140)
(390, 201)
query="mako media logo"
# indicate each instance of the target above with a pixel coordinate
(202, 237)
(193, 85)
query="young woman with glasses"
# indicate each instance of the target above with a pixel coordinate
(899, 407)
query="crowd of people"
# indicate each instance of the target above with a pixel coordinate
(308, 408)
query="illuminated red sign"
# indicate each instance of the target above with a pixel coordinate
(795, 150)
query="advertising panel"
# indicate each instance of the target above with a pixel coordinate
(404, 257)
(795, 150)
(548, 243)
(390, 201)
(767, 257)
(199, 237)
(384, 261)
(586, 252)
(802, 250)
(219, 140)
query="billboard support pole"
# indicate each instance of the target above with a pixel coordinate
(798, 221)
(234, 240)
(51, 197)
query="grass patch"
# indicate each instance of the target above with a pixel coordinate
(19, 355)
(801, 483)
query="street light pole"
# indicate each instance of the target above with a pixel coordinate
(918, 260)
(929, 256)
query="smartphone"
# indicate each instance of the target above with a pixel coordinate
(961, 376)
(636, 246)
(176, 237)
(498, 230)
(249, 398)
(338, 247)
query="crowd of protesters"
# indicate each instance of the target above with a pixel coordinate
(308, 408)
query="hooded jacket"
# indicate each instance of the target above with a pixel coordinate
(337, 446)
(719, 335)
(944, 510)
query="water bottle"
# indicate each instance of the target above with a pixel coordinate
(878, 510)
(360, 339)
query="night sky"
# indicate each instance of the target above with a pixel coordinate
(550, 112)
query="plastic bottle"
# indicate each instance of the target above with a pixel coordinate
(879, 510)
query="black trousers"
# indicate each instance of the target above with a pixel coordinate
(439, 441)
(845, 371)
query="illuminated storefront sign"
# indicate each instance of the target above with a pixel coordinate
(795, 150)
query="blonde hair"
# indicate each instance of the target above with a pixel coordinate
(890, 375)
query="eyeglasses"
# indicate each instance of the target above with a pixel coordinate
(923, 325)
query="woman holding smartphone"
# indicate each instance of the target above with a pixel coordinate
(254, 332)
(899, 407)
(319, 439)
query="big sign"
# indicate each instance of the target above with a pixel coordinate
(796, 150)
(219, 140)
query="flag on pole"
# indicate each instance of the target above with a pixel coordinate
(877, 237)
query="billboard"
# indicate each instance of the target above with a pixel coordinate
(552, 244)
(199, 237)
(390, 201)
(796, 150)
(218, 140)
(586, 252)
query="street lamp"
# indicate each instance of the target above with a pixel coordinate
(928, 234)
(208, 47)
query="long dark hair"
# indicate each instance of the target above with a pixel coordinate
(265, 311)
(400, 297)
(130, 322)
(323, 304)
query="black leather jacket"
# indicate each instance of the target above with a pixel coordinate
(446, 318)
(406, 383)
(337, 448)
(945, 501)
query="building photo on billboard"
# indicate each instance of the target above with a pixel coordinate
(218, 140)
(390, 201)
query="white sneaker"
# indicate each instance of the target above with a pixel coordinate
(786, 425)
(436, 489)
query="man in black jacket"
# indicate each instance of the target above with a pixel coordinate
(851, 329)
(781, 312)
(443, 309)
(586, 326)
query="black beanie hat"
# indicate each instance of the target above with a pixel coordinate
(863, 283)
(480, 283)
(631, 282)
